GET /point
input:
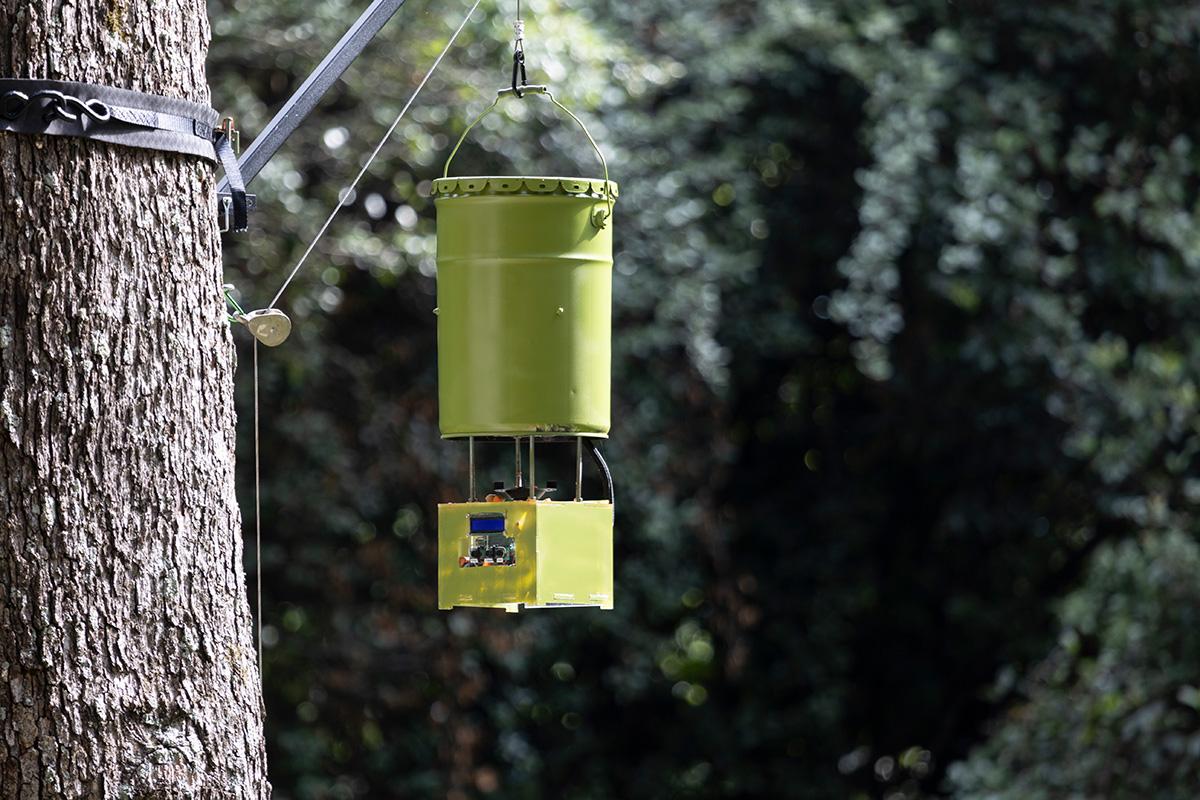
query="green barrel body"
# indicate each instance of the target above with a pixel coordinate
(524, 305)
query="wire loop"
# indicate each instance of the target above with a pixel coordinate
(601, 219)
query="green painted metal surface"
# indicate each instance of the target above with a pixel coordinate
(524, 298)
(563, 556)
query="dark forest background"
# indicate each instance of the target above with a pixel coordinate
(904, 416)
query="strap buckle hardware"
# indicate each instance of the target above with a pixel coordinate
(229, 128)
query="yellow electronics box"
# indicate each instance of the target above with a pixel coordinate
(527, 553)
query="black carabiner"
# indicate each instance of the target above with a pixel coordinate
(519, 67)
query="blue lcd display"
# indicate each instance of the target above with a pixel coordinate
(487, 524)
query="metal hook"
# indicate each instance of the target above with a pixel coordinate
(519, 65)
(519, 56)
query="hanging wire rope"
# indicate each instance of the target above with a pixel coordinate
(345, 193)
(257, 529)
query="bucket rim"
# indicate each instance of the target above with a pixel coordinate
(459, 186)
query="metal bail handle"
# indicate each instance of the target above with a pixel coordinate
(600, 219)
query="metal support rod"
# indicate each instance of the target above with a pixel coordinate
(532, 471)
(578, 469)
(517, 450)
(300, 104)
(471, 467)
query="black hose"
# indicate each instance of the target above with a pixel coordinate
(599, 459)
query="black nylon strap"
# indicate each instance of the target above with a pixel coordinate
(237, 187)
(120, 116)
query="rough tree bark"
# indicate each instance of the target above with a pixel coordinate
(127, 667)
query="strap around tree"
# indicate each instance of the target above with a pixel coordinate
(124, 117)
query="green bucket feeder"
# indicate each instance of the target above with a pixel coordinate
(524, 328)
(524, 301)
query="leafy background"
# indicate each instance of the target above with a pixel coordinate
(905, 387)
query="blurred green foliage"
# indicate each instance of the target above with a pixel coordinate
(905, 368)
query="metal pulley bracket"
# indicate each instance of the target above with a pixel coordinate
(268, 325)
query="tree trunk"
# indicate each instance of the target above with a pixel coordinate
(127, 668)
